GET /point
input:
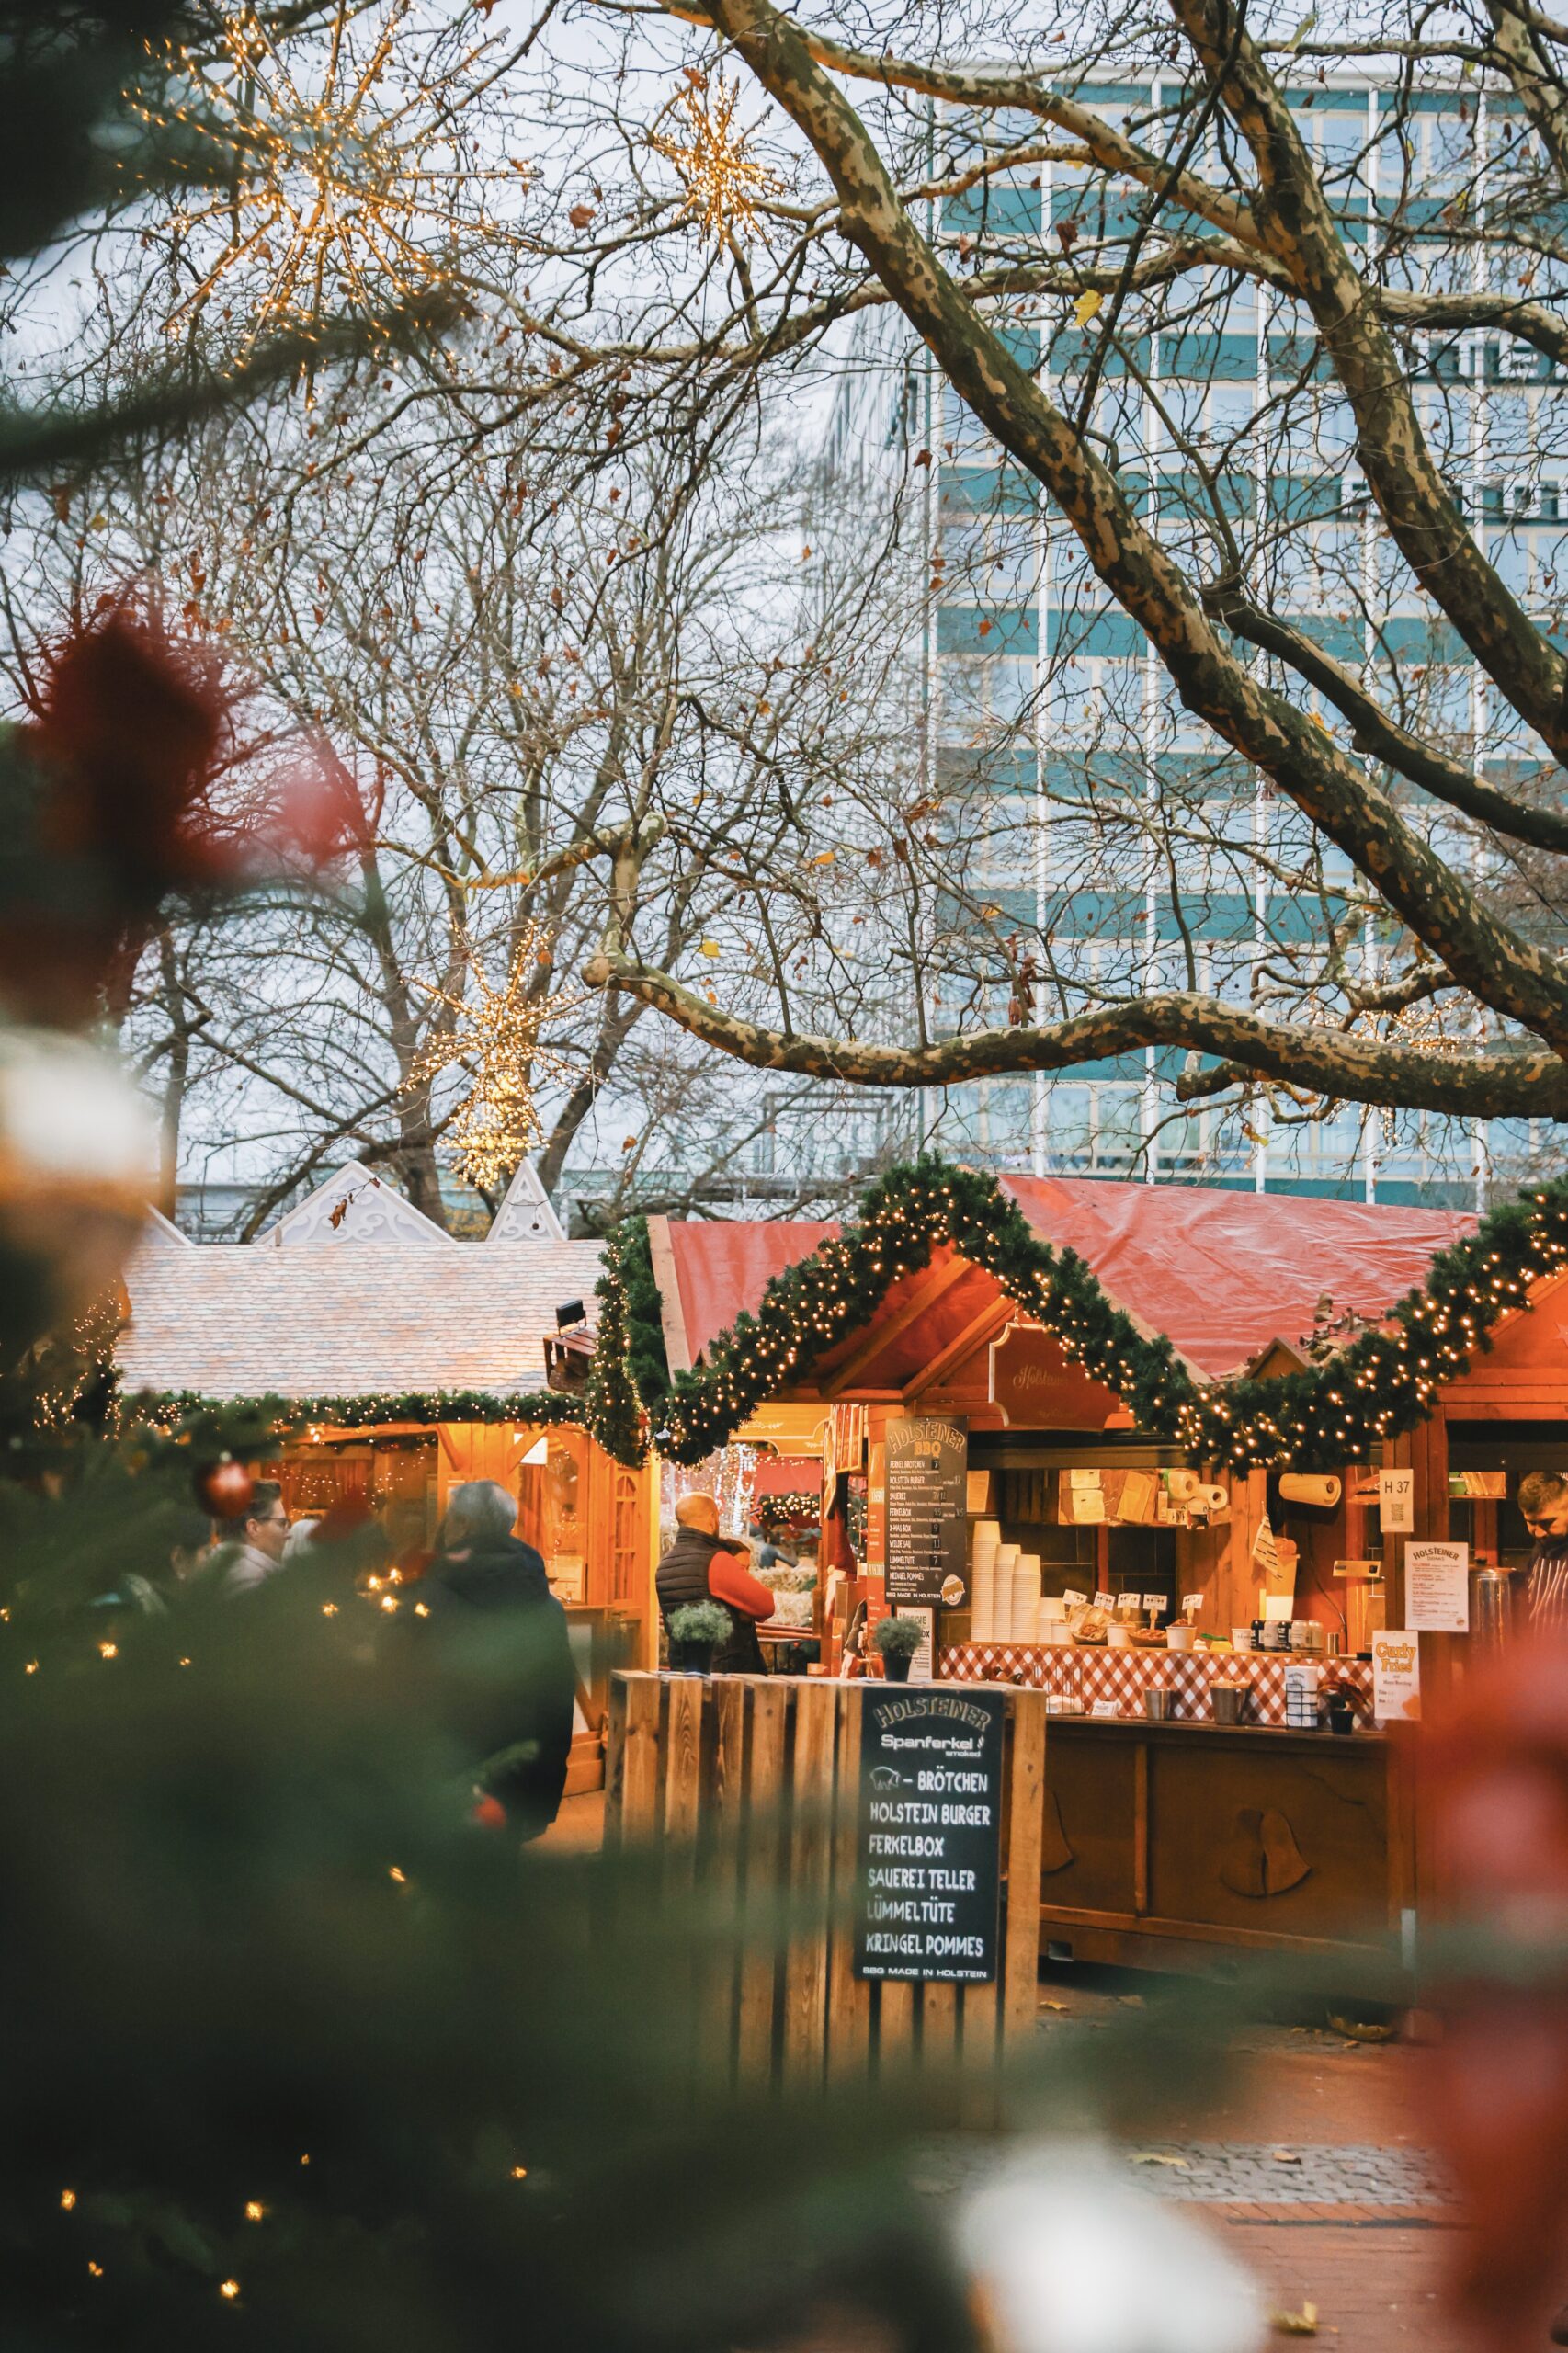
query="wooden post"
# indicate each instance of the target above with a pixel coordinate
(752, 1784)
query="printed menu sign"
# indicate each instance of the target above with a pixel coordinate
(930, 1846)
(1437, 1588)
(1396, 1678)
(927, 1462)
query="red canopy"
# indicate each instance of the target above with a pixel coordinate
(1222, 1273)
(787, 1475)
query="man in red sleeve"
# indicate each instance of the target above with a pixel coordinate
(698, 1568)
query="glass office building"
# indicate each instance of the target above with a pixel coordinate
(1111, 838)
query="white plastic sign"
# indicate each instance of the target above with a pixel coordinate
(1396, 1502)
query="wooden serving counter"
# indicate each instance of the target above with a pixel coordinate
(1164, 1842)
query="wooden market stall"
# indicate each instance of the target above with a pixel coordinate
(405, 1350)
(1161, 1840)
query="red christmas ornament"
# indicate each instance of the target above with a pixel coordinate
(225, 1489)
(490, 1813)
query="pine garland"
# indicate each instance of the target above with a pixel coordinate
(1339, 1411)
(608, 1407)
(649, 1363)
(1336, 1411)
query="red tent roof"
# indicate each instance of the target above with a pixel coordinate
(787, 1475)
(1222, 1273)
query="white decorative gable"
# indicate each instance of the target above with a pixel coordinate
(354, 1206)
(526, 1215)
(160, 1230)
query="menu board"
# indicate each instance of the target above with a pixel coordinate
(928, 1495)
(929, 1846)
(1437, 1588)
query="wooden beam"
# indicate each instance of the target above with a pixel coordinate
(935, 1285)
(995, 1317)
(672, 1315)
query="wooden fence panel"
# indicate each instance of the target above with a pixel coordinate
(762, 1876)
(848, 1997)
(1025, 1802)
(811, 1859)
(752, 1786)
(632, 1788)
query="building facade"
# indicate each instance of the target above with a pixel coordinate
(1108, 839)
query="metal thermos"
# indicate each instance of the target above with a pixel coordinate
(1492, 1608)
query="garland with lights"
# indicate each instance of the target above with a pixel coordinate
(608, 1406)
(649, 1364)
(1339, 1411)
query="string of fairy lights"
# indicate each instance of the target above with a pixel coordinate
(723, 183)
(1328, 1413)
(1341, 1410)
(325, 174)
(495, 1035)
(325, 170)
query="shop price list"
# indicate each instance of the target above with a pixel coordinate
(929, 1844)
(926, 1471)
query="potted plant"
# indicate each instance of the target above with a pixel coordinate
(896, 1641)
(696, 1632)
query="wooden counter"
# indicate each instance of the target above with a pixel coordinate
(1164, 1844)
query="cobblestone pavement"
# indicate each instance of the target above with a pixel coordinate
(1268, 2174)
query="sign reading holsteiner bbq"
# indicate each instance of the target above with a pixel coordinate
(927, 1497)
(930, 1834)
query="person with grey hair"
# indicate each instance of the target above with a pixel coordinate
(497, 1636)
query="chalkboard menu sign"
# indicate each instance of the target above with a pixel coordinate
(930, 1834)
(927, 1497)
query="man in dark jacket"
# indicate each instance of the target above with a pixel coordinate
(1543, 1505)
(507, 1685)
(684, 1575)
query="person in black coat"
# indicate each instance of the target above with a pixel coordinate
(506, 1682)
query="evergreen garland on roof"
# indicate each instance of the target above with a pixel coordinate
(608, 1407)
(1326, 1414)
(1339, 1411)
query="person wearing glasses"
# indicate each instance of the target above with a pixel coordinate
(1543, 1505)
(250, 1550)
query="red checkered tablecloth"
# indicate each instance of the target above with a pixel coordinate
(1124, 1676)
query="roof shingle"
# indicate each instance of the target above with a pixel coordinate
(243, 1320)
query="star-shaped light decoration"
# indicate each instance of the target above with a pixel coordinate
(330, 171)
(723, 183)
(496, 1037)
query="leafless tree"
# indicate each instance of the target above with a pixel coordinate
(1339, 703)
(567, 705)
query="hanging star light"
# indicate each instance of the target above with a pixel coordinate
(495, 1039)
(723, 184)
(330, 170)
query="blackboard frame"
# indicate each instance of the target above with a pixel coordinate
(931, 1762)
(928, 1482)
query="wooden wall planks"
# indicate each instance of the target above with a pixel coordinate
(750, 1785)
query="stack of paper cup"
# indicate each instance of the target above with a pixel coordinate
(1025, 1596)
(982, 1585)
(1002, 1605)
